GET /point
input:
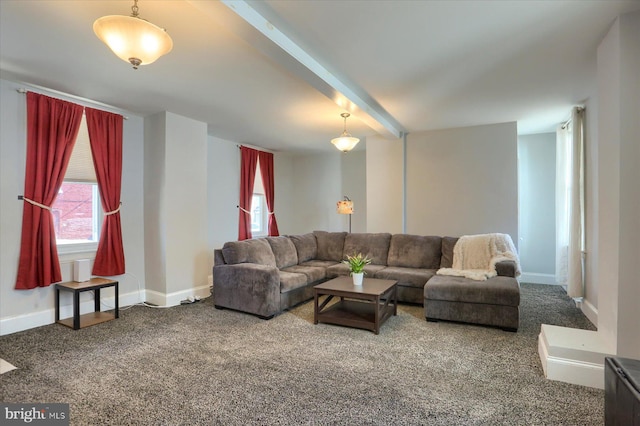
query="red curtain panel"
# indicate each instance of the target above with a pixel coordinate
(248, 164)
(52, 128)
(105, 136)
(266, 170)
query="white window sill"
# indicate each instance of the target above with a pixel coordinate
(68, 252)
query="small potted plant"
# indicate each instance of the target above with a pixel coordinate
(356, 265)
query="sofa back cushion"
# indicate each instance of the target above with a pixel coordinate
(248, 251)
(284, 251)
(415, 251)
(330, 245)
(373, 246)
(447, 251)
(306, 246)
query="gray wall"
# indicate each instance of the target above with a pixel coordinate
(463, 181)
(536, 187)
(458, 181)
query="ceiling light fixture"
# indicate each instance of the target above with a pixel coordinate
(132, 38)
(345, 142)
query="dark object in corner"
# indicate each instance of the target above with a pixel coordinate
(621, 392)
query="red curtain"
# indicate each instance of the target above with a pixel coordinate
(248, 163)
(52, 128)
(266, 170)
(105, 136)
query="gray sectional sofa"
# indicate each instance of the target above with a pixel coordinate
(266, 276)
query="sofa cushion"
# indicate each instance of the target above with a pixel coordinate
(330, 245)
(414, 251)
(340, 269)
(448, 243)
(248, 251)
(319, 263)
(306, 246)
(291, 281)
(494, 291)
(408, 277)
(284, 251)
(373, 246)
(313, 273)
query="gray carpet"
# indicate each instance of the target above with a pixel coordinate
(193, 365)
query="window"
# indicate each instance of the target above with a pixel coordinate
(77, 212)
(259, 215)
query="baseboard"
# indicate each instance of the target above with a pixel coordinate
(573, 355)
(18, 323)
(571, 371)
(535, 278)
(590, 311)
(174, 299)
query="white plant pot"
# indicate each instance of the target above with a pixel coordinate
(357, 278)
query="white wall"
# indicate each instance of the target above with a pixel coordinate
(316, 189)
(186, 204)
(590, 300)
(384, 171)
(23, 309)
(176, 183)
(223, 158)
(354, 186)
(154, 217)
(284, 180)
(536, 189)
(463, 181)
(618, 227)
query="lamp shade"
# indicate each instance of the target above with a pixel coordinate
(345, 143)
(345, 207)
(133, 39)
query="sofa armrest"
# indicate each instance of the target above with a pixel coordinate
(506, 268)
(247, 287)
(218, 258)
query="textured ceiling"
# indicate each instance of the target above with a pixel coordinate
(428, 64)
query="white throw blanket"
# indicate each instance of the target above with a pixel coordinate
(475, 256)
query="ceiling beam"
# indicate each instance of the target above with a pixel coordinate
(343, 92)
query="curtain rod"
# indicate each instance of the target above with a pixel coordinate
(564, 125)
(67, 95)
(256, 148)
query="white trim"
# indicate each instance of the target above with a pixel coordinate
(173, 299)
(573, 356)
(569, 370)
(536, 278)
(18, 323)
(590, 311)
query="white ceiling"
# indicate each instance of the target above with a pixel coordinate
(427, 64)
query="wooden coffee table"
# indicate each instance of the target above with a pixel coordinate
(367, 306)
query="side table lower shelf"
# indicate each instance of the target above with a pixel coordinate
(92, 318)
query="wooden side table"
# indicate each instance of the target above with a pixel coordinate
(80, 321)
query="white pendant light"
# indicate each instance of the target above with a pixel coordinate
(132, 38)
(345, 142)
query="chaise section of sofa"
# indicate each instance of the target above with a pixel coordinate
(494, 302)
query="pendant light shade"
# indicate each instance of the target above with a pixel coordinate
(133, 39)
(345, 142)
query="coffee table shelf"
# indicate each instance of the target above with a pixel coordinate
(366, 307)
